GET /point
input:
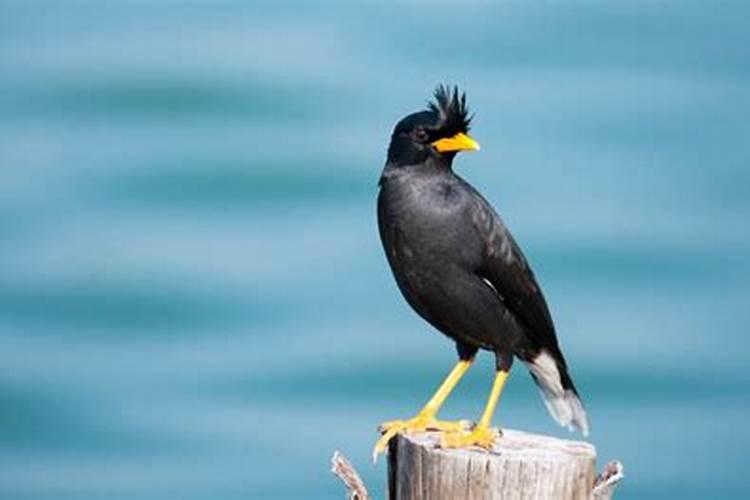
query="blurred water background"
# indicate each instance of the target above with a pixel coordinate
(194, 303)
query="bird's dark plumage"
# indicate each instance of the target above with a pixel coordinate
(455, 261)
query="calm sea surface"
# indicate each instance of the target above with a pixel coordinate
(194, 303)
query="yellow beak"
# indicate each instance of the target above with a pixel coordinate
(459, 142)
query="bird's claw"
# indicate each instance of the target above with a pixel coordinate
(483, 437)
(420, 423)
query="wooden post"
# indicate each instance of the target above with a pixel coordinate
(521, 466)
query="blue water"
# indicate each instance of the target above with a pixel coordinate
(193, 299)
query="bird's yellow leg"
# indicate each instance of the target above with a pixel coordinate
(425, 419)
(482, 434)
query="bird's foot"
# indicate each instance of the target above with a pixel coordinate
(481, 436)
(420, 423)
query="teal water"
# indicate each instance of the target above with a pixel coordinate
(193, 299)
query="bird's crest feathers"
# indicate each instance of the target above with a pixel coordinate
(450, 106)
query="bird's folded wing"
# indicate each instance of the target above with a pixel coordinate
(506, 269)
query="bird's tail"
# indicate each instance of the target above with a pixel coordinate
(560, 395)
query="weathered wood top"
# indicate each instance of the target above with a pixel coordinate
(520, 466)
(514, 444)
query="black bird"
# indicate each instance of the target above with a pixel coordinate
(459, 267)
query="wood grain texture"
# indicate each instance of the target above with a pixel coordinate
(521, 466)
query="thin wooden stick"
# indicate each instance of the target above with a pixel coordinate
(606, 482)
(345, 471)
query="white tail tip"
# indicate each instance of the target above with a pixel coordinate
(563, 404)
(567, 410)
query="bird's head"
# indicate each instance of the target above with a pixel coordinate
(439, 132)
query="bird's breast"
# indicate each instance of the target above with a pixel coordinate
(428, 226)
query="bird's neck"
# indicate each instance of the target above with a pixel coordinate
(433, 165)
(442, 162)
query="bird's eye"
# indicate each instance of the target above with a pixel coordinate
(421, 135)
